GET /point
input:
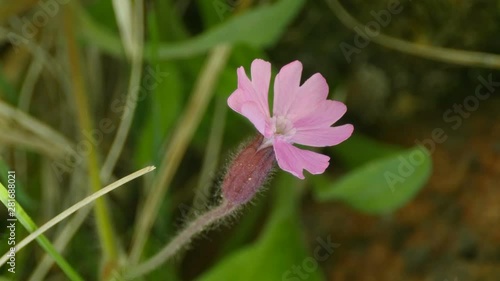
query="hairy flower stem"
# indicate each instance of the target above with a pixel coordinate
(244, 178)
(182, 239)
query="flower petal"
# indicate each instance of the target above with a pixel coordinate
(310, 94)
(286, 86)
(255, 91)
(251, 111)
(324, 114)
(261, 76)
(294, 160)
(321, 137)
(236, 100)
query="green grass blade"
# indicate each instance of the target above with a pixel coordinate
(30, 226)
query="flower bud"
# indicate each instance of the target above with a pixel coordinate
(248, 172)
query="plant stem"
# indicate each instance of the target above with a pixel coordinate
(186, 127)
(103, 219)
(212, 153)
(448, 55)
(136, 50)
(182, 239)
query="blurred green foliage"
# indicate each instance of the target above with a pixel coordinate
(177, 46)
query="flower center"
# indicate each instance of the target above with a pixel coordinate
(279, 127)
(282, 127)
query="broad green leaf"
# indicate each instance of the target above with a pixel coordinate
(259, 27)
(279, 248)
(366, 149)
(383, 185)
(216, 11)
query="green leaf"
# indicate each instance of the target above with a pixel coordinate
(279, 248)
(260, 27)
(215, 11)
(367, 150)
(383, 185)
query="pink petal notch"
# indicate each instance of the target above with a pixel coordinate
(302, 114)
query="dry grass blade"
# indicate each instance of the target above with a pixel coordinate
(135, 28)
(188, 123)
(77, 207)
(23, 128)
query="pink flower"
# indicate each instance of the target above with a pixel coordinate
(301, 115)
